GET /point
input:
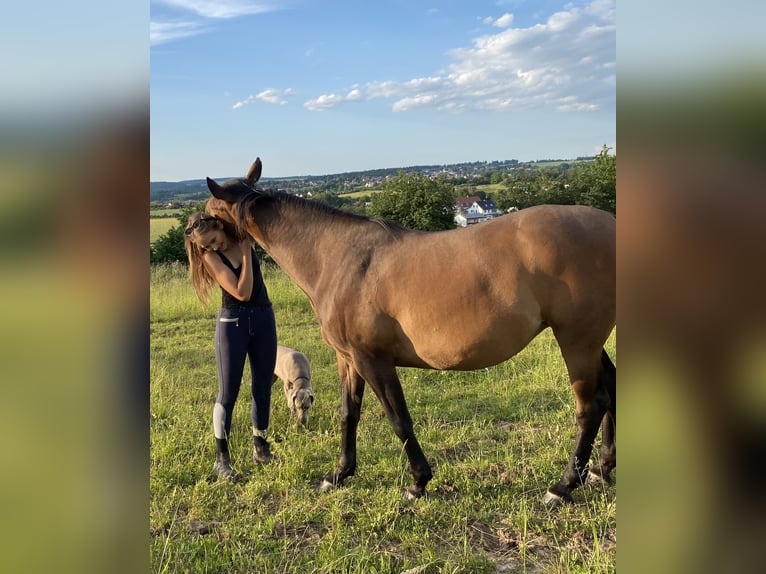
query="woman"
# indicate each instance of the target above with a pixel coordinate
(245, 326)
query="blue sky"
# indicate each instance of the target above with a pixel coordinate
(319, 87)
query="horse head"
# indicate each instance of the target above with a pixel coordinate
(226, 196)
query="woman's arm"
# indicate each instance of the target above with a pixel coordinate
(240, 288)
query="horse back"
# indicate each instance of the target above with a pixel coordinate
(469, 298)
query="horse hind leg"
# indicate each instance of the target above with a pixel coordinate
(591, 404)
(602, 472)
(384, 382)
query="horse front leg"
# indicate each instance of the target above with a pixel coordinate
(351, 394)
(385, 383)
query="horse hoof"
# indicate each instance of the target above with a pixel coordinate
(413, 493)
(595, 479)
(599, 478)
(553, 500)
(326, 486)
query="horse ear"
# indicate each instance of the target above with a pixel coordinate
(221, 192)
(254, 173)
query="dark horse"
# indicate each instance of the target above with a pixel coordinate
(463, 299)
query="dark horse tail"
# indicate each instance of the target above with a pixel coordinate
(608, 380)
(609, 372)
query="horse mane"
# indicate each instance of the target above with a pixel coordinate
(280, 197)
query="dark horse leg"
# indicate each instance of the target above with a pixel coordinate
(608, 454)
(383, 380)
(588, 378)
(351, 394)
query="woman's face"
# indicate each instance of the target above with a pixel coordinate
(212, 240)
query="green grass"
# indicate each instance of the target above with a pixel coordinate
(160, 225)
(497, 438)
(467, 189)
(491, 187)
(365, 191)
(164, 212)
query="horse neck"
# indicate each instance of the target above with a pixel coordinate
(301, 238)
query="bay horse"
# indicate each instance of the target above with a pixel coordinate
(462, 299)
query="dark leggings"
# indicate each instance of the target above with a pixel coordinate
(244, 332)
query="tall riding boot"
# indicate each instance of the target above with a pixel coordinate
(261, 450)
(222, 467)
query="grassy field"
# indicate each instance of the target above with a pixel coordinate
(497, 438)
(159, 226)
(167, 212)
(361, 193)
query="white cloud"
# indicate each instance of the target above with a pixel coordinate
(570, 104)
(167, 31)
(329, 101)
(241, 104)
(354, 95)
(452, 107)
(408, 103)
(274, 96)
(504, 21)
(565, 63)
(162, 32)
(269, 95)
(220, 8)
(324, 102)
(562, 20)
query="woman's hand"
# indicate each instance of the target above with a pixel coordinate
(244, 247)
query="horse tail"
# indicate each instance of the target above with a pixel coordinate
(609, 379)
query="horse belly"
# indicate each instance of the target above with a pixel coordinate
(465, 343)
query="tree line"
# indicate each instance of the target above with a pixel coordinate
(593, 183)
(418, 201)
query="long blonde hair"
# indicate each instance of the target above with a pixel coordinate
(200, 222)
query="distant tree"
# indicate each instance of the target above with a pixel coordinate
(591, 183)
(595, 183)
(416, 201)
(358, 205)
(169, 247)
(332, 199)
(183, 215)
(520, 191)
(552, 188)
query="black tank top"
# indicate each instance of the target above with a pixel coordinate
(259, 297)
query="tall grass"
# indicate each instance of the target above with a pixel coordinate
(497, 438)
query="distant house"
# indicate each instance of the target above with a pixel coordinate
(471, 210)
(486, 207)
(463, 203)
(466, 219)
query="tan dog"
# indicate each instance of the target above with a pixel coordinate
(295, 372)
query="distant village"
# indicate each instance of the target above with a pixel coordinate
(470, 173)
(469, 209)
